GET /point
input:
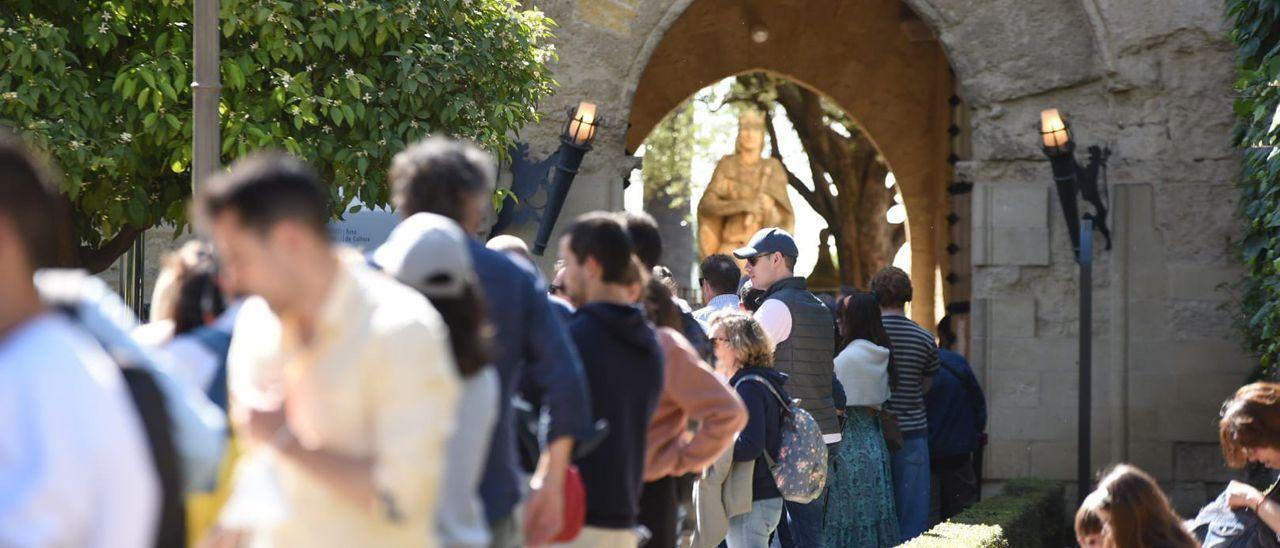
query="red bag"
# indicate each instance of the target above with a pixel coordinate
(575, 506)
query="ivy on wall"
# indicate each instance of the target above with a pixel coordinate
(103, 86)
(1255, 30)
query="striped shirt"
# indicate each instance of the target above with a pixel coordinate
(916, 356)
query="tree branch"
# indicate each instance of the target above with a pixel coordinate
(96, 260)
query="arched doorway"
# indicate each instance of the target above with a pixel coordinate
(878, 62)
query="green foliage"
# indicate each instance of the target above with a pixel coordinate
(103, 87)
(1256, 33)
(1030, 513)
(668, 158)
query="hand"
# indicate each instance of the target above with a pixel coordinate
(544, 515)
(263, 425)
(1243, 495)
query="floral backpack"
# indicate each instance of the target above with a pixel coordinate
(801, 468)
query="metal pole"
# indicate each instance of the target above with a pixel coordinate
(205, 88)
(1084, 471)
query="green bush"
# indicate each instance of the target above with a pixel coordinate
(103, 86)
(1256, 32)
(1029, 514)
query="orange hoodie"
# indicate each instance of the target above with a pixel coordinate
(690, 392)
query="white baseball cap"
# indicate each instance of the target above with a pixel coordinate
(428, 252)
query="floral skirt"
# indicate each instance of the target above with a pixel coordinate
(860, 507)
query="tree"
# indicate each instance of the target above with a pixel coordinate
(102, 86)
(854, 199)
(668, 162)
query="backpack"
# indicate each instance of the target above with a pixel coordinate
(801, 469)
(1218, 526)
(149, 401)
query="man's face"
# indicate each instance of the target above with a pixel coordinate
(750, 139)
(765, 269)
(576, 275)
(253, 263)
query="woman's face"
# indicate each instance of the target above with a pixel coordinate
(1266, 456)
(725, 356)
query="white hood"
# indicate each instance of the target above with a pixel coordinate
(863, 370)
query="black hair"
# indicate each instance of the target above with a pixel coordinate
(721, 273)
(470, 333)
(601, 236)
(436, 174)
(265, 189)
(859, 315)
(199, 299)
(31, 201)
(946, 335)
(645, 236)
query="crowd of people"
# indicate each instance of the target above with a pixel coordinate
(436, 391)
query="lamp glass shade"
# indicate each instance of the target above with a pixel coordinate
(1053, 129)
(583, 127)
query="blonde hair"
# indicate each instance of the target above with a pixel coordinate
(745, 336)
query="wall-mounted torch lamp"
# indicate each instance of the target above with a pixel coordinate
(575, 141)
(1071, 180)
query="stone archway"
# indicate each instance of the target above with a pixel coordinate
(874, 59)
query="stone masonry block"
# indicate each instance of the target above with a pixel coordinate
(1202, 282)
(1201, 462)
(1032, 354)
(1012, 317)
(1053, 460)
(1007, 459)
(1043, 424)
(1018, 389)
(1010, 224)
(1175, 357)
(1156, 457)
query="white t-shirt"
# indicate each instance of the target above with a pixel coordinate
(75, 468)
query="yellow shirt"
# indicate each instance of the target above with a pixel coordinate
(377, 381)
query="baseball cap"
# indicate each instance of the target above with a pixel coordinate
(769, 240)
(428, 252)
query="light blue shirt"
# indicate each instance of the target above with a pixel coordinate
(728, 301)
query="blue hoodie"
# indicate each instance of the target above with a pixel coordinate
(624, 366)
(764, 426)
(956, 408)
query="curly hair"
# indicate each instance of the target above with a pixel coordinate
(745, 336)
(892, 287)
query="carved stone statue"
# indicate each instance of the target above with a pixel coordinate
(747, 192)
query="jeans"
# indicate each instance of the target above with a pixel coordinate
(911, 485)
(752, 530)
(803, 523)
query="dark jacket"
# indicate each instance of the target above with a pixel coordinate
(624, 368)
(808, 354)
(531, 343)
(956, 408)
(764, 426)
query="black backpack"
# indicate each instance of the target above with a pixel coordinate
(150, 403)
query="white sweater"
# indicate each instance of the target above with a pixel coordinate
(863, 369)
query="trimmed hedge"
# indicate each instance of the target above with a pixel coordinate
(1029, 514)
